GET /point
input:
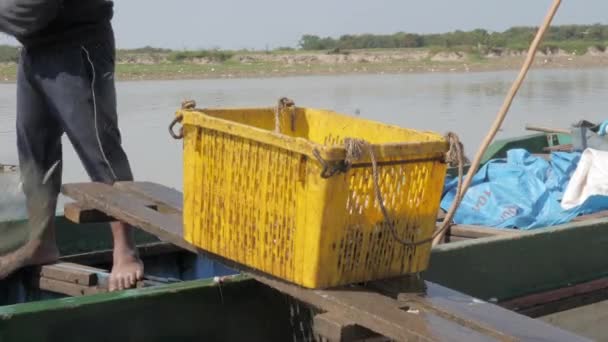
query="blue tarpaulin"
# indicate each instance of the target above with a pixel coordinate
(521, 191)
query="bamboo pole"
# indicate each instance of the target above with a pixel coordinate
(502, 114)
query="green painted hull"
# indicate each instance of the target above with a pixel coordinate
(505, 268)
(192, 311)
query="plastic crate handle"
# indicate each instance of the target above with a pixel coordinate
(354, 151)
(186, 104)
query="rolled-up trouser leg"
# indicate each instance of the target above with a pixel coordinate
(82, 95)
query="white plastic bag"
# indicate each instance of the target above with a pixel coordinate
(590, 178)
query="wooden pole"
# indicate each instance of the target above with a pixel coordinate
(547, 129)
(502, 114)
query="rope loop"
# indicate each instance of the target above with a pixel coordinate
(282, 104)
(179, 135)
(355, 150)
(186, 105)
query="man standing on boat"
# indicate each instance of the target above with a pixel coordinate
(65, 84)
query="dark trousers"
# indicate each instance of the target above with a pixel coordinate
(66, 89)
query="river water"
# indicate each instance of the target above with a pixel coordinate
(465, 103)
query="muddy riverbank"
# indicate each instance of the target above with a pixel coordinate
(158, 66)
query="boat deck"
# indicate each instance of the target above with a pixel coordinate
(398, 309)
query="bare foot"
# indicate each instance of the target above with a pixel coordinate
(35, 252)
(127, 270)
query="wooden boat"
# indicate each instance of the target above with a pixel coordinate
(554, 274)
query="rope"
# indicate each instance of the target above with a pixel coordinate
(455, 156)
(502, 114)
(188, 104)
(282, 104)
(354, 151)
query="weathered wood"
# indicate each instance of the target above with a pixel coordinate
(381, 314)
(453, 238)
(78, 214)
(457, 319)
(81, 280)
(165, 197)
(598, 215)
(333, 327)
(474, 232)
(455, 316)
(555, 295)
(547, 129)
(462, 308)
(559, 148)
(566, 304)
(67, 288)
(411, 284)
(130, 209)
(69, 272)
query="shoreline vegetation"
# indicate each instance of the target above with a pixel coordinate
(569, 46)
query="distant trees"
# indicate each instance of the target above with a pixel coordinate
(515, 37)
(572, 38)
(316, 43)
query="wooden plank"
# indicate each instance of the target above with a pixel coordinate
(559, 148)
(453, 238)
(159, 194)
(412, 284)
(566, 304)
(409, 317)
(598, 215)
(130, 209)
(69, 272)
(69, 279)
(79, 214)
(335, 328)
(383, 314)
(462, 308)
(555, 295)
(367, 308)
(474, 232)
(102, 276)
(452, 305)
(66, 288)
(547, 129)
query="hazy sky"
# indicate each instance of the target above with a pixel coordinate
(257, 24)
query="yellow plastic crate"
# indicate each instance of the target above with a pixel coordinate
(257, 197)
